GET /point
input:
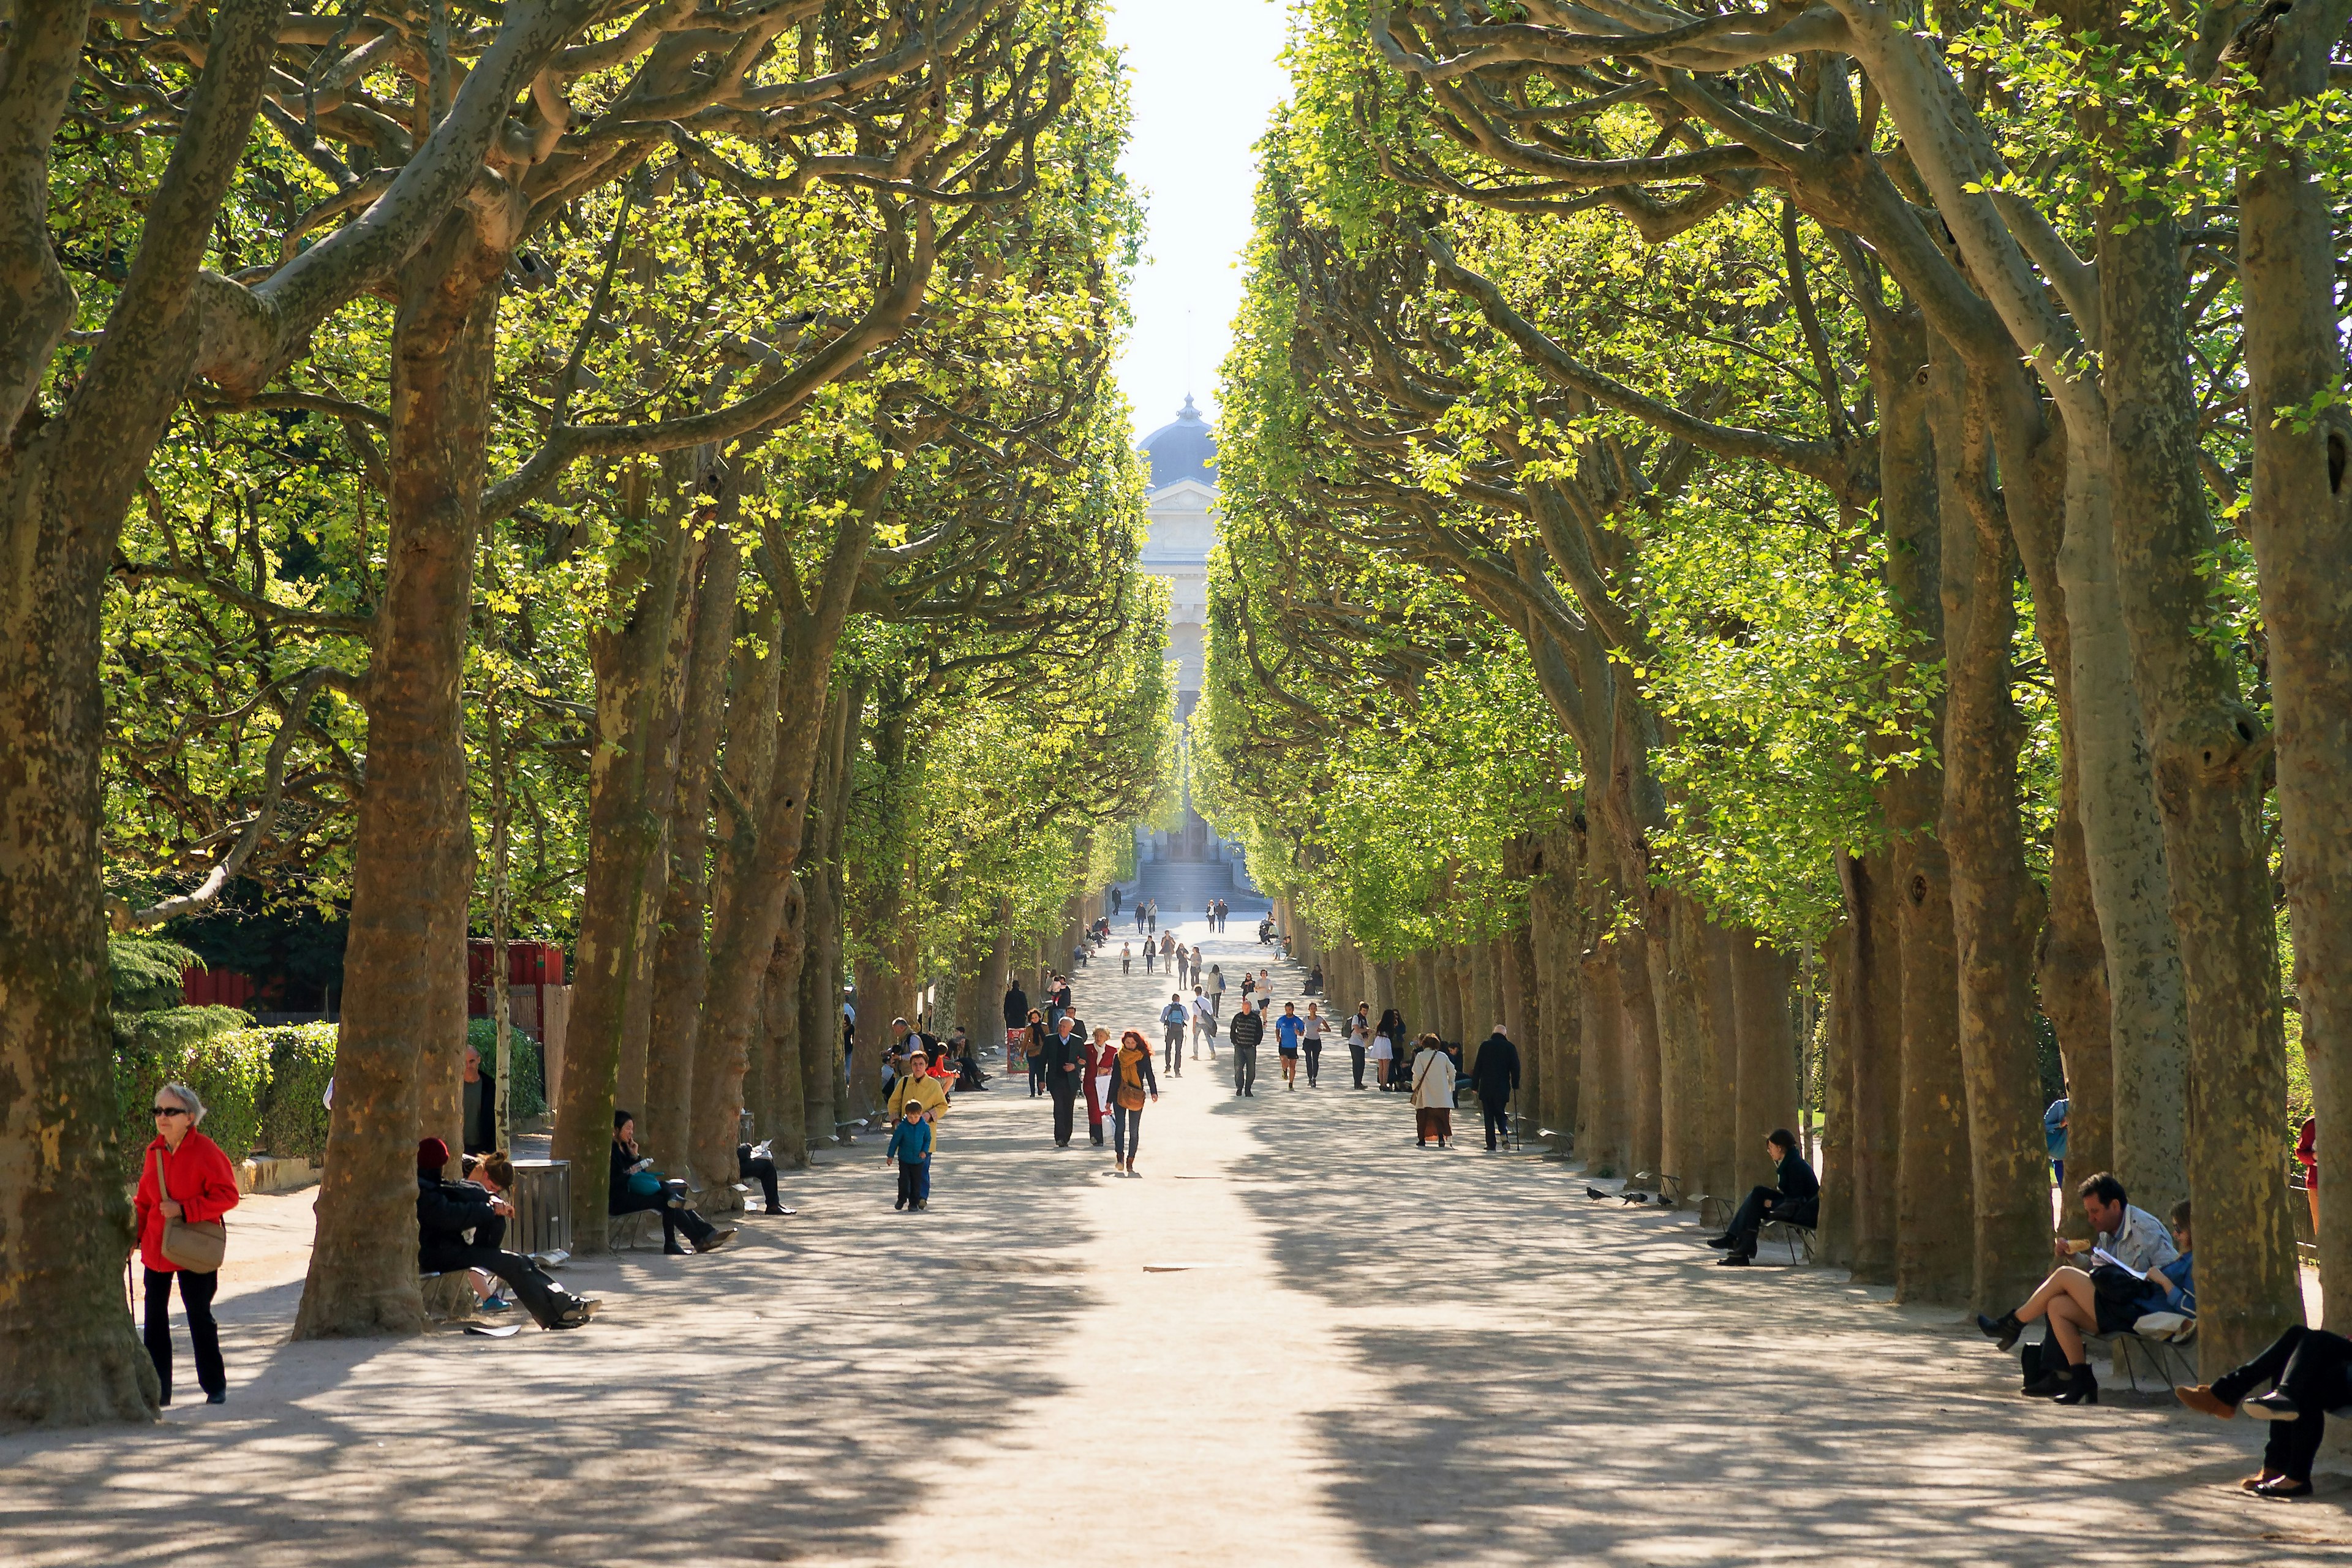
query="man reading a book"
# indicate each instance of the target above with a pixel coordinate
(2134, 1267)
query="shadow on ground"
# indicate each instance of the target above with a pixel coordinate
(1574, 1381)
(745, 1407)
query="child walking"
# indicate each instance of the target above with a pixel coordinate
(910, 1150)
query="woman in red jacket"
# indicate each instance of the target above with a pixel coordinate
(197, 1186)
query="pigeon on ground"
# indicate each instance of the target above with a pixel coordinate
(1595, 1194)
(1635, 1197)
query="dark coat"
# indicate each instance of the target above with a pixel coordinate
(447, 1210)
(481, 1134)
(1065, 1054)
(617, 1191)
(1247, 1028)
(1796, 1178)
(1016, 1007)
(1497, 1073)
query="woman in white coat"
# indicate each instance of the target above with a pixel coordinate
(1433, 1094)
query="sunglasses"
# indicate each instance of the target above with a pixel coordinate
(169, 1110)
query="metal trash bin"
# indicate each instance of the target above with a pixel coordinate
(542, 1205)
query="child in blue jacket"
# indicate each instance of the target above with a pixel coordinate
(910, 1150)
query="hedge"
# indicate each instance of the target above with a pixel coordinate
(263, 1089)
(212, 1050)
(527, 1096)
(294, 1113)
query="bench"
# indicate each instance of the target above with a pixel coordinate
(2170, 1358)
(1796, 1237)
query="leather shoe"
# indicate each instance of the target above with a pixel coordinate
(1720, 1243)
(2201, 1397)
(1732, 1261)
(2281, 1487)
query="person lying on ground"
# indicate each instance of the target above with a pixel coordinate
(447, 1211)
(2310, 1373)
(635, 1188)
(2134, 1273)
(1794, 1198)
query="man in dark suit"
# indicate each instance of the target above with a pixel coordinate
(1496, 1076)
(1066, 1062)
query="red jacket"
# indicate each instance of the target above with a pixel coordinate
(203, 1185)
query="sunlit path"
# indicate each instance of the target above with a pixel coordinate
(1294, 1338)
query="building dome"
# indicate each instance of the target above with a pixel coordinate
(1185, 450)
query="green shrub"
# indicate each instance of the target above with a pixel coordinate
(213, 1050)
(527, 1095)
(146, 972)
(294, 1110)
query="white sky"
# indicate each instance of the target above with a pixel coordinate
(1204, 78)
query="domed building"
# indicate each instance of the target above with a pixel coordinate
(1180, 503)
(1181, 499)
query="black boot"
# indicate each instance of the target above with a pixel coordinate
(1720, 1243)
(2081, 1386)
(2003, 1331)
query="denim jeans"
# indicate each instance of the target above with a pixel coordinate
(1126, 1131)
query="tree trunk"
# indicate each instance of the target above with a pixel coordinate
(2072, 973)
(784, 1110)
(1760, 978)
(69, 1355)
(1645, 1134)
(1840, 1191)
(1676, 946)
(1722, 1134)
(682, 964)
(1871, 1034)
(1996, 907)
(2209, 754)
(1603, 1136)
(405, 960)
(2300, 519)
(623, 839)
(1554, 901)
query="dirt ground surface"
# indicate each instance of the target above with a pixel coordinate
(1293, 1338)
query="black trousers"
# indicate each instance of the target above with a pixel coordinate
(1244, 1068)
(197, 1291)
(1036, 1077)
(1355, 1059)
(1065, 1090)
(2313, 1368)
(1175, 1052)
(1767, 1203)
(1313, 1052)
(762, 1171)
(674, 1218)
(1498, 1117)
(541, 1296)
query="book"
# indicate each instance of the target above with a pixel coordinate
(2101, 1255)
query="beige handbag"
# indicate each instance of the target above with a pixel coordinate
(196, 1246)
